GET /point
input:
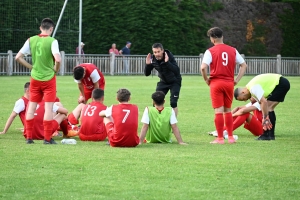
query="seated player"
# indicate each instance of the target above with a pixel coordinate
(158, 122)
(121, 121)
(38, 128)
(88, 77)
(19, 109)
(92, 126)
(242, 115)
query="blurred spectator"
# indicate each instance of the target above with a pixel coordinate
(113, 52)
(125, 52)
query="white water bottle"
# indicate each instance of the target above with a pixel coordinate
(234, 136)
(68, 141)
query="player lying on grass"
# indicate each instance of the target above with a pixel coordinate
(242, 115)
(158, 122)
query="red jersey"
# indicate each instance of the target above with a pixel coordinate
(22, 114)
(87, 80)
(125, 118)
(223, 62)
(91, 123)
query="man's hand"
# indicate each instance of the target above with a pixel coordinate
(183, 143)
(81, 99)
(266, 123)
(207, 81)
(235, 82)
(166, 57)
(148, 59)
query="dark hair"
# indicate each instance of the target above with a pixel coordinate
(123, 95)
(47, 23)
(97, 94)
(157, 45)
(236, 93)
(215, 32)
(27, 84)
(158, 97)
(78, 73)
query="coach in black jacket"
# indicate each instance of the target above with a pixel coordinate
(168, 72)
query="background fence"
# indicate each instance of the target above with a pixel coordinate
(189, 65)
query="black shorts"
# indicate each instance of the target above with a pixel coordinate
(279, 92)
(174, 90)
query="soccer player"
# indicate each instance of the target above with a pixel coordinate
(242, 115)
(92, 126)
(88, 77)
(45, 54)
(121, 121)
(221, 59)
(38, 128)
(19, 109)
(158, 122)
(269, 90)
(168, 72)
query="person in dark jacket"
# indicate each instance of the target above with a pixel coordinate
(168, 71)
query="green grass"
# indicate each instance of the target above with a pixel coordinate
(247, 170)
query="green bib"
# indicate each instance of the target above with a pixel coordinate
(42, 58)
(159, 130)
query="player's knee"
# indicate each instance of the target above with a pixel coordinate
(173, 104)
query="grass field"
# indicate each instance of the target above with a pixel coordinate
(248, 169)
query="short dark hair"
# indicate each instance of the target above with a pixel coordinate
(47, 23)
(27, 84)
(236, 93)
(158, 97)
(97, 93)
(123, 95)
(78, 73)
(215, 32)
(157, 45)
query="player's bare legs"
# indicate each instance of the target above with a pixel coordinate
(176, 111)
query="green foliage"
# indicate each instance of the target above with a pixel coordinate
(21, 19)
(290, 26)
(216, 6)
(256, 46)
(92, 170)
(179, 27)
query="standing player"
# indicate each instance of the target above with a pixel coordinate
(121, 121)
(168, 72)
(221, 59)
(19, 109)
(88, 77)
(45, 54)
(158, 122)
(269, 90)
(92, 126)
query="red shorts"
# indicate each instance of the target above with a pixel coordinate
(43, 89)
(110, 129)
(88, 92)
(221, 93)
(255, 126)
(94, 137)
(72, 119)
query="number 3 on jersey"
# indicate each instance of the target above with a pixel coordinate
(126, 115)
(224, 58)
(91, 112)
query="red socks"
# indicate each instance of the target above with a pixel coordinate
(219, 123)
(29, 128)
(47, 130)
(228, 123)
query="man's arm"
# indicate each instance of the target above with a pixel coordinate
(82, 97)
(241, 73)
(9, 122)
(148, 66)
(177, 134)
(20, 59)
(244, 110)
(204, 73)
(143, 132)
(171, 63)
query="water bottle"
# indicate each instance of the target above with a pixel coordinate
(234, 136)
(68, 141)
